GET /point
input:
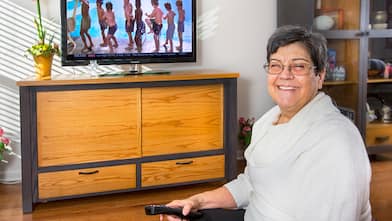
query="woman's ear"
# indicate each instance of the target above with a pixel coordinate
(321, 79)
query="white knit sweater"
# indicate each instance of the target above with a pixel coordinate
(315, 167)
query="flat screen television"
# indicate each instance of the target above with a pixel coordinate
(83, 22)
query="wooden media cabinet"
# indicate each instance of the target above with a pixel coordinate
(89, 136)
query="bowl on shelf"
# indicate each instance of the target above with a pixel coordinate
(379, 17)
(323, 22)
(375, 67)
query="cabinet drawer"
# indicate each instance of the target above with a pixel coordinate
(81, 181)
(183, 170)
(84, 126)
(378, 134)
(182, 119)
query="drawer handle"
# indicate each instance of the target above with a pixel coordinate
(382, 139)
(89, 173)
(184, 163)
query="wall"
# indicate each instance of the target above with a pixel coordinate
(232, 37)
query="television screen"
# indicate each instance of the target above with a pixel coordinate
(128, 31)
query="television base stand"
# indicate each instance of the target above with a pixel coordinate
(135, 69)
(138, 69)
(93, 68)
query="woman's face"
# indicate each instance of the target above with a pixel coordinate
(291, 92)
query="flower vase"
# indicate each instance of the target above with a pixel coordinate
(43, 66)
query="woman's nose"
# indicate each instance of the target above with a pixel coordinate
(286, 73)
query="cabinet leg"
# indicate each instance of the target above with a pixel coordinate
(27, 206)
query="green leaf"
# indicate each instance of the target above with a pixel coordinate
(247, 140)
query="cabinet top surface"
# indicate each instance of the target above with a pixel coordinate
(71, 79)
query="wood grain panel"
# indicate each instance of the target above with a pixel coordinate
(88, 126)
(183, 170)
(378, 133)
(64, 183)
(351, 11)
(182, 119)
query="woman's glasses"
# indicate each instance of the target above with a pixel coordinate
(297, 68)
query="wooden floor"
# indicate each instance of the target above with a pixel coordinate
(130, 206)
(381, 187)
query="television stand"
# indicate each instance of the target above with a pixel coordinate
(146, 150)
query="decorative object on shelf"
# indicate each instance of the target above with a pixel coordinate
(318, 4)
(43, 51)
(331, 64)
(379, 17)
(5, 147)
(386, 114)
(323, 22)
(379, 20)
(339, 73)
(375, 67)
(335, 14)
(388, 70)
(370, 113)
(379, 103)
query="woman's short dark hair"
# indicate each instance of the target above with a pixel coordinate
(315, 43)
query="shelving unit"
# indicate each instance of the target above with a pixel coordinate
(355, 42)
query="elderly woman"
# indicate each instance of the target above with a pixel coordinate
(306, 161)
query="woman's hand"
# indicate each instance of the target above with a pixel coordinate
(187, 205)
(217, 198)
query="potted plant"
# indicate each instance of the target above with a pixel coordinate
(5, 147)
(43, 51)
(245, 134)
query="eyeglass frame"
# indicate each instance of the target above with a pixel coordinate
(290, 67)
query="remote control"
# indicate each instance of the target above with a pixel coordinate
(162, 209)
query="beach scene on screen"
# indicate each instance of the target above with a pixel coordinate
(76, 46)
